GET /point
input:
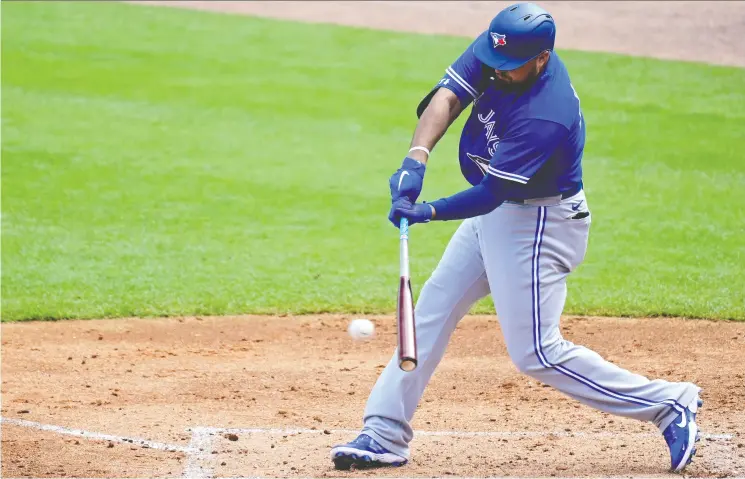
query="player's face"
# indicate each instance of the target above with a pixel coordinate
(525, 74)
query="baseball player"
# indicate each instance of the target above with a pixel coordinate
(525, 228)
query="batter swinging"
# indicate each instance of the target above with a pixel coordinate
(525, 229)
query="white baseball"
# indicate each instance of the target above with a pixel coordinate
(361, 329)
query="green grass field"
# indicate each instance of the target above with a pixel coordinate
(160, 162)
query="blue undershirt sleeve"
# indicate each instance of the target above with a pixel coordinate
(475, 201)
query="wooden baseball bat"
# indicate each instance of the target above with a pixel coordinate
(407, 359)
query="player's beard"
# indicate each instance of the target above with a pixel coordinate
(505, 84)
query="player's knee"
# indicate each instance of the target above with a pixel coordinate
(538, 360)
(526, 362)
(533, 361)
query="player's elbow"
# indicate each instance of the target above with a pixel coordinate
(445, 103)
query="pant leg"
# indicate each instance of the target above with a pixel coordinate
(528, 254)
(456, 284)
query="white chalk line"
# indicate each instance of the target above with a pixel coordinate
(96, 436)
(201, 447)
(512, 434)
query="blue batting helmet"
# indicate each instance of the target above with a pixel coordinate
(517, 34)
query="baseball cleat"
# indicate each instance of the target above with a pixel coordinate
(362, 453)
(682, 435)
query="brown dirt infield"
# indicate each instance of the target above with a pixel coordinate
(156, 379)
(701, 31)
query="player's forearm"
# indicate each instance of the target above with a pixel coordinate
(434, 122)
(475, 201)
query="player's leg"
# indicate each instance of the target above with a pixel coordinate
(528, 254)
(455, 285)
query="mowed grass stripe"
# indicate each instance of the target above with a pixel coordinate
(162, 162)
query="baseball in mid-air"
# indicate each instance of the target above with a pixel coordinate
(361, 329)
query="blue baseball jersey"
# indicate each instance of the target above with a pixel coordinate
(534, 138)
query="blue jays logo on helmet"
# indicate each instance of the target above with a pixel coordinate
(499, 40)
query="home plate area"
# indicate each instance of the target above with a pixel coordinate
(256, 452)
(296, 452)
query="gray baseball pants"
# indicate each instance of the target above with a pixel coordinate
(522, 254)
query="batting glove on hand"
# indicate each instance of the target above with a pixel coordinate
(407, 181)
(415, 213)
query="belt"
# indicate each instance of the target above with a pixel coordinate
(567, 194)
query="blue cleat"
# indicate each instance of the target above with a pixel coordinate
(682, 435)
(363, 453)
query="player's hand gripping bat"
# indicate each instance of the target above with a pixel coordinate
(407, 359)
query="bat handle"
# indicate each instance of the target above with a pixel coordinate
(403, 228)
(404, 256)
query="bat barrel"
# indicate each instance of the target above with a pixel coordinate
(407, 354)
(407, 364)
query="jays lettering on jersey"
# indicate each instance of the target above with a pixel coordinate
(533, 137)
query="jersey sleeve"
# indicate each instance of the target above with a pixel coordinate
(463, 77)
(525, 148)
